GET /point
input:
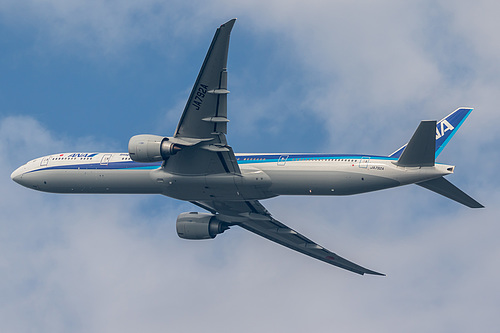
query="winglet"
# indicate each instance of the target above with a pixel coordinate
(229, 24)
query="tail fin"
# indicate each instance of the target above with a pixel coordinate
(425, 145)
(445, 129)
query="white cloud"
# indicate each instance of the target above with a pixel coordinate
(114, 263)
(99, 29)
(107, 263)
(368, 66)
(25, 134)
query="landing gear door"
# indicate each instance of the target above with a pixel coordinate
(364, 161)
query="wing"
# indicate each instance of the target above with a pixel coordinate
(252, 216)
(201, 133)
(203, 124)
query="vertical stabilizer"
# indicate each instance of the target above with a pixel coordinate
(445, 129)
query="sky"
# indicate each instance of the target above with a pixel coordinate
(316, 76)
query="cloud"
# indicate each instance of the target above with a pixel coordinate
(369, 73)
(101, 28)
(107, 263)
(365, 66)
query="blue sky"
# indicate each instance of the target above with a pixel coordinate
(322, 76)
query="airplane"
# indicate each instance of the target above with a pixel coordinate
(197, 165)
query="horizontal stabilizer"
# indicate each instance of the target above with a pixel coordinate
(447, 189)
(420, 151)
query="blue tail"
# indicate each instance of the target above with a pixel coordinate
(445, 129)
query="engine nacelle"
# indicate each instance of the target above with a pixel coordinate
(150, 148)
(199, 226)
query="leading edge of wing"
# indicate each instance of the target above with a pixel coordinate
(252, 216)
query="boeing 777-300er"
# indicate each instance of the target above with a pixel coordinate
(197, 165)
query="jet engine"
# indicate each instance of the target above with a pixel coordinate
(199, 226)
(151, 148)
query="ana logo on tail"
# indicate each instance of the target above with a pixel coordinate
(451, 123)
(442, 127)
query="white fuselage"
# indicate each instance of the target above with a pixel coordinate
(262, 176)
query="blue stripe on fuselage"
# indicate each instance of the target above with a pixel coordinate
(270, 158)
(127, 165)
(241, 159)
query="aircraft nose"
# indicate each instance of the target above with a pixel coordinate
(17, 175)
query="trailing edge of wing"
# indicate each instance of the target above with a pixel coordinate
(252, 216)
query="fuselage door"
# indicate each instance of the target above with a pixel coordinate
(105, 159)
(282, 159)
(44, 161)
(363, 162)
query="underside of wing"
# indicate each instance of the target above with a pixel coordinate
(199, 161)
(252, 216)
(203, 125)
